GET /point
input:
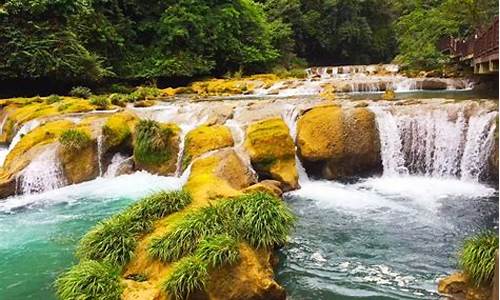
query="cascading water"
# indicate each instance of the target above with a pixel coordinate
(116, 162)
(44, 173)
(439, 141)
(290, 116)
(100, 153)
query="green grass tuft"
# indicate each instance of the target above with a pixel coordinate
(218, 250)
(151, 143)
(100, 102)
(74, 139)
(53, 99)
(115, 239)
(80, 92)
(189, 276)
(90, 280)
(144, 93)
(477, 257)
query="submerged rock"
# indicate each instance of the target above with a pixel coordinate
(204, 139)
(272, 151)
(336, 143)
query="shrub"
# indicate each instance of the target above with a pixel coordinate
(189, 275)
(100, 102)
(143, 93)
(477, 257)
(218, 250)
(80, 92)
(74, 139)
(53, 99)
(118, 99)
(115, 239)
(151, 143)
(90, 280)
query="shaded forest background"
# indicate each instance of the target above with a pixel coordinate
(88, 41)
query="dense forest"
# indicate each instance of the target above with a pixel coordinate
(90, 40)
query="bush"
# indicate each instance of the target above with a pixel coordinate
(90, 280)
(477, 257)
(115, 239)
(80, 92)
(143, 93)
(119, 99)
(189, 275)
(100, 102)
(218, 250)
(74, 139)
(151, 143)
(53, 99)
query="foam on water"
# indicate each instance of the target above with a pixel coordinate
(132, 185)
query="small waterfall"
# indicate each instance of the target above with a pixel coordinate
(115, 165)
(184, 131)
(404, 85)
(26, 128)
(290, 116)
(442, 141)
(100, 151)
(44, 173)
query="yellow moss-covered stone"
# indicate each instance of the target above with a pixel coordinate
(320, 133)
(204, 139)
(42, 135)
(272, 151)
(81, 165)
(117, 131)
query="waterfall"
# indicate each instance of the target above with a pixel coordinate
(100, 153)
(115, 165)
(444, 141)
(290, 116)
(404, 85)
(44, 173)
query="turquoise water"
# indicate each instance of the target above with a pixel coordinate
(381, 238)
(39, 233)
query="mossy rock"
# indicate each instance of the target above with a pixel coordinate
(205, 139)
(272, 151)
(336, 143)
(117, 131)
(156, 147)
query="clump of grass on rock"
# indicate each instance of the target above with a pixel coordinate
(53, 99)
(151, 143)
(80, 92)
(189, 276)
(259, 218)
(90, 280)
(100, 102)
(477, 257)
(218, 250)
(115, 239)
(74, 139)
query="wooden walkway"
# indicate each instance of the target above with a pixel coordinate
(480, 51)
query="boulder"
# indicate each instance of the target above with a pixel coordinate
(205, 139)
(266, 186)
(434, 84)
(117, 131)
(337, 143)
(79, 165)
(458, 286)
(272, 151)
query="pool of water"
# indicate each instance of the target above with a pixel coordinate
(40, 232)
(380, 238)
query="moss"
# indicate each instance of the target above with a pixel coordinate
(42, 135)
(204, 139)
(90, 280)
(152, 142)
(144, 103)
(118, 129)
(233, 86)
(74, 139)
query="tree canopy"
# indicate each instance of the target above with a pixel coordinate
(89, 40)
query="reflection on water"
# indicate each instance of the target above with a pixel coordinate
(381, 238)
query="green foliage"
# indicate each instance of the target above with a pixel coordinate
(218, 250)
(53, 99)
(100, 102)
(74, 139)
(119, 99)
(90, 280)
(151, 144)
(115, 239)
(477, 257)
(80, 92)
(120, 89)
(143, 93)
(190, 275)
(258, 218)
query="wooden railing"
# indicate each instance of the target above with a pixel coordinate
(487, 43)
